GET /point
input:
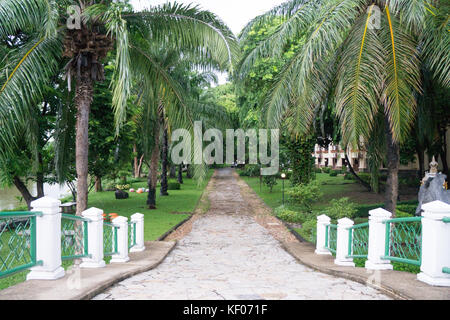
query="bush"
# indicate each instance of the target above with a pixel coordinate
(288, 215)
(407, 208)
(174, 186)
(333, 173)
(317, 170)
(349, 176)
(308, 230)
(306, 194)
(326, 170)
(270, 182)
(251, 171)
(341, 208)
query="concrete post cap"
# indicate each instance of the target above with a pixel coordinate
(437, 207)
(120, 220)
(345, 222)
(137, 216)
(93, 213)
(323, 218)
(380, 213)
(45, 202)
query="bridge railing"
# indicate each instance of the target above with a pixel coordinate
(41, 239)
(421, 241)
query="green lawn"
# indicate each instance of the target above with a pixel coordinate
(170, 211)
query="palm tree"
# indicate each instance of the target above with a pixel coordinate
(104, 26)
(160, 112)
(361, 68)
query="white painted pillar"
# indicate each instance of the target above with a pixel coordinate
(48, 240)
(138, 218)
(377, 240)
(122, 240)
(95, 239)
(322, 222)
(435, 244)
(343, 243)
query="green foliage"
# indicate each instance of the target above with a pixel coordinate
(326, 170)
(334, 173)
(305, 195)
(270, 182)
(251, 170)
(409, 209)
(308, 230)
(299, 153)
(174, 186)
(287, 215)
(341, 208)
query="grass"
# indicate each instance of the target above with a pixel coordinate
(171, 210)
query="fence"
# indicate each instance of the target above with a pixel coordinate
(41, 239)
(358, 238)
(421, 241)
(74, 237)
(331, 238)
(17, 242)
(404, 240)
(110, 245)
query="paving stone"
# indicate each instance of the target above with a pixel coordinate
(228, 255)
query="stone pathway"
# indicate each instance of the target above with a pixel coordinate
(228, 255)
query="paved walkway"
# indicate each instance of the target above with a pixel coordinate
(228, 255)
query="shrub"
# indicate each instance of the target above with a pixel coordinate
(349, 176)
(306, 194)
(251, 171)
(341, 208)
(326, 170)
(317, 170)
(174, 186)
(407, 208)
(308, 230)
(288, 215)
(270, 182)
(333, 173)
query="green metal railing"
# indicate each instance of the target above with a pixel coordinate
(74, 237)
(131, 234)
(404, 240)
(358, 241)
(17, 242)
(110, 239)
(447, 269)
(331, 237)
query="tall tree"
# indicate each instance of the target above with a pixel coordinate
(100, 26)
(370, 68)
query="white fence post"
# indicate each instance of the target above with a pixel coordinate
(322, 222)
(343, 243)
(48, 240)
(435, 244)
(95, 239)
(122, 240)
(138, 218)
(377, 240)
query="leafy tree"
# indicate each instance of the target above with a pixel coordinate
(364, 71)
(104, 26)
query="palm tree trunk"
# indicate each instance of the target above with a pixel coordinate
(24, 191)
(180, 174)
(136, 165)
(153, 172)
(352, 171)
(40, 178)
(165, 160)
(173, 172)
(393, 164)
(98, 184)
(83, 99)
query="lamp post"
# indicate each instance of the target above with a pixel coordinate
(283, 177)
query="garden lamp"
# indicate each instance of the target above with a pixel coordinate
(283, 177)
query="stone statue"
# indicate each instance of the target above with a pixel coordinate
(434, 187)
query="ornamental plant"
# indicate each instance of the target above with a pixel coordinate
(305, 195)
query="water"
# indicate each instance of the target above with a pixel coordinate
(9, 198)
